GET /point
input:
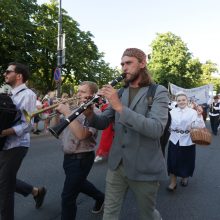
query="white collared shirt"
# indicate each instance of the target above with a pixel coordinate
(184, 119)
(214, 109)
(24, 100)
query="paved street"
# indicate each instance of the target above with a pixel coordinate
(43, 166)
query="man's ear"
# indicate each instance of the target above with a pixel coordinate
(143, 64)
(19, 76)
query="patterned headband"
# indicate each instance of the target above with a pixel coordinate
(135, 52)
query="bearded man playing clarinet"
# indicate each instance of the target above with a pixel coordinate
(135, 161)
(79, 141)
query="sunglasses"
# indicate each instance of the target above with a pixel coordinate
(9, 71)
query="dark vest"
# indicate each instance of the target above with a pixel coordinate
(212, 110)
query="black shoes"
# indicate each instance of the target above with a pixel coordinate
(172, 189)
(98, 207)
(36, 131)
(39, 198)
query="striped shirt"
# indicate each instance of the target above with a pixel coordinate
(24, 100)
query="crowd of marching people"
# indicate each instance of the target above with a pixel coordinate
(132, 128)
(181, 149)
(42, 103)
(210, 110)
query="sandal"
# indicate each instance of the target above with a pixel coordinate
(184, 182)
(171, 189)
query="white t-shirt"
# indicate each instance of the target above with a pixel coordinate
(38, 104)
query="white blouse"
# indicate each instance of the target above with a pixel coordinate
(181, 123)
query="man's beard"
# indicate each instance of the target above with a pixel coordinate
(10, 83)
(7, 83)
(133, 77)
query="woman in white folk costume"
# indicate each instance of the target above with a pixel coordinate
(181, 150)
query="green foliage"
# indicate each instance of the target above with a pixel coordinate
(28, 34)
(83, 60)
(172, 62)
(216, 83)
(69, 88)
(16, 31)
(208, 69)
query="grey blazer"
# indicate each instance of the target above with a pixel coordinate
(137, 134)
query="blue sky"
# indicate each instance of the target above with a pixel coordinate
(119, 24)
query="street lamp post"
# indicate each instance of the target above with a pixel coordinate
(59, 49)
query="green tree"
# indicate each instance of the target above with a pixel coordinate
(16, 31)
(208, 68)
(83, 60)
(171, 61)
(216, 83)
(28, 34)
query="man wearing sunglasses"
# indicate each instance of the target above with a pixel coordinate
(17, 143)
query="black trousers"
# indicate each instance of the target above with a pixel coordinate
(76, 171)
(214, 121)
(23, 188)
(10, 162)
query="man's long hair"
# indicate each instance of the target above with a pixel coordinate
(146, 79)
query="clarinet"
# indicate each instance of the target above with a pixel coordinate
(57, 130)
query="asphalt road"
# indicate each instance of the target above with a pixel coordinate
(200, 200)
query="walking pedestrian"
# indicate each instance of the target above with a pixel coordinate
(135, 161)
(181, 149)
(79, 141)
(214, 112)
(18, 139)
